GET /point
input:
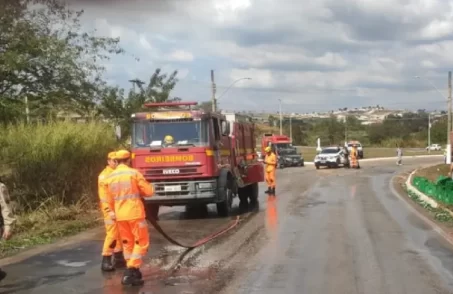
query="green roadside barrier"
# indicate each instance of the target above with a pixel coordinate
(441, 190)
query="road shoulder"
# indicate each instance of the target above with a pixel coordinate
(438, 218)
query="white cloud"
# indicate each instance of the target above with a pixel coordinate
(345, 52)
(181, 55)
(144, 42)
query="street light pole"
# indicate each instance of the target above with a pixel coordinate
(291, 127)
(429, 132)
(448, 111)
(280, 110)
(214, 104)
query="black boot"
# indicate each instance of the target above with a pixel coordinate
(132, 277)
(107, 265)
(273, 191)
(2, 275)
(269, 190)
(118, 260)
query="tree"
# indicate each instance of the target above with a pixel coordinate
(272, 120)
(46, 58)
(119, 108)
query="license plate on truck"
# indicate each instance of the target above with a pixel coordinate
(323, 161)
(173, 188)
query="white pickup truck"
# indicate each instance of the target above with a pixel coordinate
(359, 148)
(434, 147)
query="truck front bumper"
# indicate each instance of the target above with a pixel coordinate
(174, 193)
(326, 163)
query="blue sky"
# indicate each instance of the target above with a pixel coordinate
(315, 55)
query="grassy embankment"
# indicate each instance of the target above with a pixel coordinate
(51, 171)
(442, 213)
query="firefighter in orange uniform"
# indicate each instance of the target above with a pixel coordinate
(112, 242)
(125, 188)
(354, 157)
(271, 163)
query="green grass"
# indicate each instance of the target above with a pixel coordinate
(440, 214)
(309, 153)
(51, 171)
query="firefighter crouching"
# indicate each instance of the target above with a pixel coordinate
(125, 188)
(112, 243)
(271, 162)
(354, 157)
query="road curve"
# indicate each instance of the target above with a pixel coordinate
(326, 231)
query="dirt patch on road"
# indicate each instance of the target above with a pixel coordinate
(433, 172)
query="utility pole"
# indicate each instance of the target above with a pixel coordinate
(449, 120)
(291, 127)
(214, 101)
(280, 110)
(429, 132)
(345, 130)
(27, 110)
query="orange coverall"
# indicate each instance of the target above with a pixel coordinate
(112, 242)
(354, 154)
(125, 188)
(271, 162)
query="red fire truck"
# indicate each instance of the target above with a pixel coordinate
(212, 158)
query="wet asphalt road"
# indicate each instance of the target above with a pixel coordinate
(326, 231)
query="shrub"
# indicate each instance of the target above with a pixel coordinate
(58, 161)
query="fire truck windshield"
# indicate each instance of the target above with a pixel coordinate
(184, 133)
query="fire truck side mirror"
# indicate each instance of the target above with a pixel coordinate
(225, 128)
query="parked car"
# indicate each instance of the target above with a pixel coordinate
(331, 157)
(289, 157)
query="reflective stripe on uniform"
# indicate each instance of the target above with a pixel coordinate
(136, 256)
(109, 222)
(126, 197)
(121, 173)
(143, 224)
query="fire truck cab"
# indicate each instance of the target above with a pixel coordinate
(206, 162)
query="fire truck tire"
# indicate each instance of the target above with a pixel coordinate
(253, 192)
(243, 194)
(225, 193)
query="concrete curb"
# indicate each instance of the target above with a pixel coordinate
(438, 229)
(422, 196)
(387, 158)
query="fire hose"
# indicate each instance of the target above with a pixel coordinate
(198, 243)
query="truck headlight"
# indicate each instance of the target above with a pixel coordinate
(205, 185)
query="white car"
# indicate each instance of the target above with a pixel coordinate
(331, 157)
(435, 147)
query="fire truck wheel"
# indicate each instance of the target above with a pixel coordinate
(253, 192)
(224, 207)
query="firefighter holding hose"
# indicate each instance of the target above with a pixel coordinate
(125, 188)
(271, 163)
